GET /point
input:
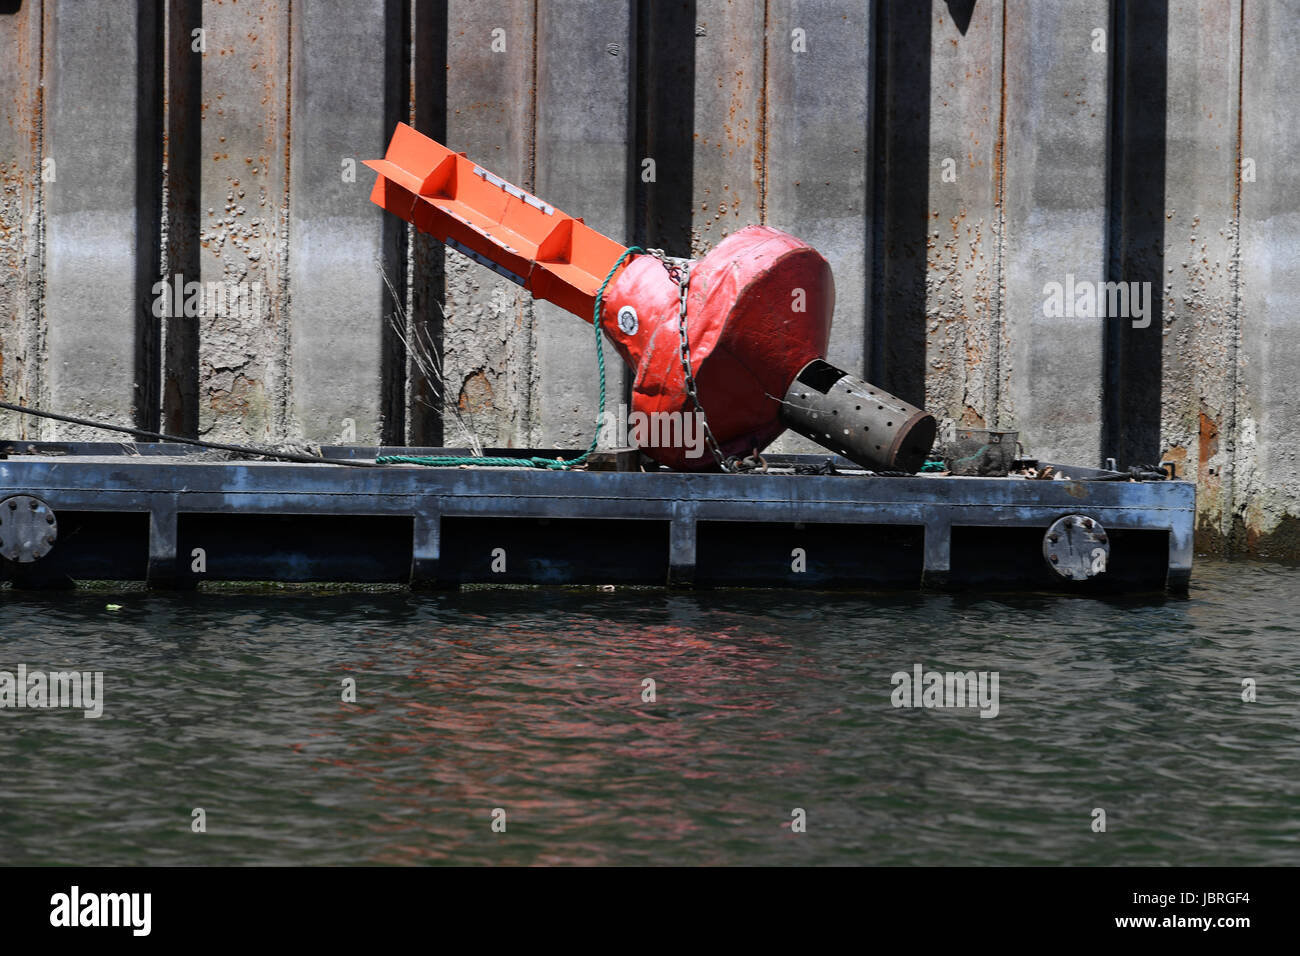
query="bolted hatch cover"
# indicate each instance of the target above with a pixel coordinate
(1076, 547)
(28, 528)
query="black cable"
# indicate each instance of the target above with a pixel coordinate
(1134, 473)
(160, 436)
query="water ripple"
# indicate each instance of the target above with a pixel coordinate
(531, 701)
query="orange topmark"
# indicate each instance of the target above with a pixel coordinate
(551, 254)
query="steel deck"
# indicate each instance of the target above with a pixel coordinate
(158, 512)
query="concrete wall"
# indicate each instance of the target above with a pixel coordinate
(950, 159)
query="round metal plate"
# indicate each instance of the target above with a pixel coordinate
(1076, 547)
(28, 528)
(627, 320)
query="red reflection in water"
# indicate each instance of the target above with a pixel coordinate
(549, 723)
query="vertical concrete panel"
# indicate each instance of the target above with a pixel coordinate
(424, 255)
(347, 66)
(1135, 248)
(244, 391)
(1055, 209)
(665, 110)
(818, 131)
(182, 161)
(101, 210)
(585, 167)
(21, 326)
(1199, 288)
(488, 329)
(1266, 479)
(730, 144)
(900, 191)
(962, 340)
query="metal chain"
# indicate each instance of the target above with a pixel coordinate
(680, 269)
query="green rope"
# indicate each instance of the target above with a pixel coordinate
(448, 461)
(934, 465)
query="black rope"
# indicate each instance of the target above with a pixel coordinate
(161, 436)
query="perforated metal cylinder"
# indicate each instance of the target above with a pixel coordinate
(853, 418)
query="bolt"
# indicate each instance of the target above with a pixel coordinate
(1053, 538)
(13, 506)
(1087, 522)
(1101, 538)
(49, 539)
(49, 519)
(33, 504)
(1055, 559)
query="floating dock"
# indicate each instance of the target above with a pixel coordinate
(168, 515)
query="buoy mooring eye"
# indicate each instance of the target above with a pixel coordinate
(1076, 547)
(28, 528)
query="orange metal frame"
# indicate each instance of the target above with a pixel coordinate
(553, 255)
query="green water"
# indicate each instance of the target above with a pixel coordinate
(531, 702)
